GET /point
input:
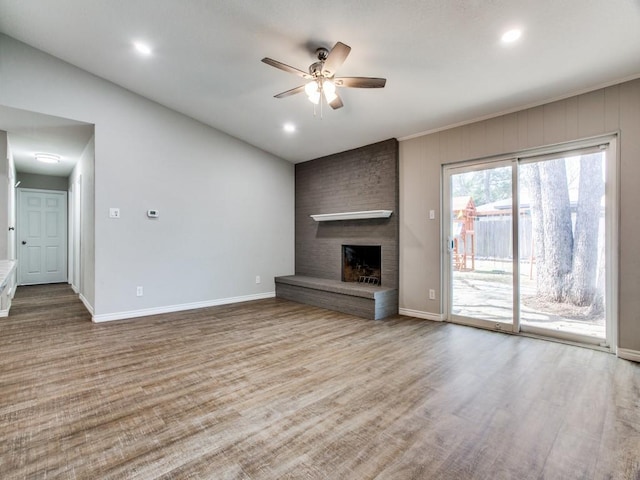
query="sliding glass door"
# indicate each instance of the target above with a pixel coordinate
(531, 244)
(564, 294)
(480, 245)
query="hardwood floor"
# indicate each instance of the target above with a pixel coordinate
(273, 389)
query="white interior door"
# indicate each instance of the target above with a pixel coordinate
(42, 236)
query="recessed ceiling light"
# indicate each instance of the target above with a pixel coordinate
(47, 157)
(142, 48)
(289, 127)
(511, 35)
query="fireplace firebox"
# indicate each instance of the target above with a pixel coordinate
(362, 263)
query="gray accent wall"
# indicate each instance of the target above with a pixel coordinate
(356, 180)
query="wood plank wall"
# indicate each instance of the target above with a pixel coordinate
(614, 109)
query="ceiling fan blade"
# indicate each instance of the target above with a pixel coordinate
(286, 68)
(336, 103)
(336, 57)
(360, 82)
(293, 91)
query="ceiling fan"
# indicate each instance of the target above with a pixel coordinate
(322, 80)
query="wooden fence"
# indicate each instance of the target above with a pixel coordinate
(493, 237)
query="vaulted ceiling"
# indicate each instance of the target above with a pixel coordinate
(444, 61)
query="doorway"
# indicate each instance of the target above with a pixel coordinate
(531, 243)
(72, 142)
(42, 236)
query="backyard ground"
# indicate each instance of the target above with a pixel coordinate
(486, 293)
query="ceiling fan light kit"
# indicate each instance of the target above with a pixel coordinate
(322, 80)
(319, 88)
(312, 89)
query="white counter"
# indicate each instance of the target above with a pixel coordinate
(7, 285)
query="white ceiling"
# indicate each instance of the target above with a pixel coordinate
(443, 59)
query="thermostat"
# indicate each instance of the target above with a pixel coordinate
(153, 213)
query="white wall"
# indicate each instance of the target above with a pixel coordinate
(7, 209)
(11, 205)
(614, 109)
(4, 194)
(226, 208)
(83, 173)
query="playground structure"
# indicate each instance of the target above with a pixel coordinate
(463, 247)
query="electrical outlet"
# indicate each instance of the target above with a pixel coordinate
(432, 294)
(139, 291)
(432, 214)
(114, 213)
(258, 279)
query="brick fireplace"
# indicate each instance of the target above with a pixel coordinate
(364, 179)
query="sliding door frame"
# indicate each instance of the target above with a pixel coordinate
(612, 240)
(447, 224)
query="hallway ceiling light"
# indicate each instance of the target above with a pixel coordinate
(47, 157)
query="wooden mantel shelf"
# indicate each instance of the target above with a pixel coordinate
(329, 217)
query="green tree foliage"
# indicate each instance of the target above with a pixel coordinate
(484, 186)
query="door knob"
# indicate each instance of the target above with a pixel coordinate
(24, 242)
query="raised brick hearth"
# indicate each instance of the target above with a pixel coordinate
(367, 301)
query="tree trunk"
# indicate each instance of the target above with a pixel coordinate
(531, 177)
(585, 251)
(557, 230)
(596, 309)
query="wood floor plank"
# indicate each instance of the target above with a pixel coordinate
(273, 389)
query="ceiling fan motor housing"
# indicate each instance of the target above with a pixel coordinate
(322, 53)
(317, 69)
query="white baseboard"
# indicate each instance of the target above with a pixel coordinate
(4, 313)
(436, 317)
(108, 317)
(86, 303)
(628, 354)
